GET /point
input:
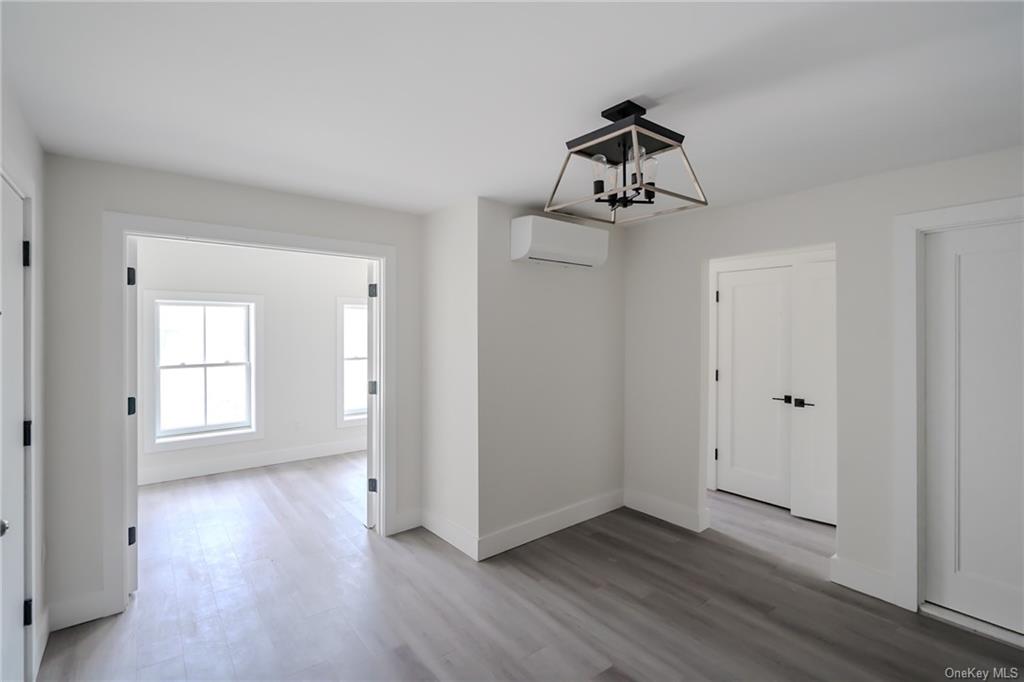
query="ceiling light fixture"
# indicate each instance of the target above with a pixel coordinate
(628, 164)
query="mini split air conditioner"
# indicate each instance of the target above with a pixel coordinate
(535, 238)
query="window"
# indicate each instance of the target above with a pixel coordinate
(352, 360)
(204, 370)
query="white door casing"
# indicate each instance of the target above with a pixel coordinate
(754, 323)
(813, 427)
(373, 401)
(974, 374)
(12, 449)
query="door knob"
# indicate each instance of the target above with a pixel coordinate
(3, 527)
(786, 399)
(800, 402)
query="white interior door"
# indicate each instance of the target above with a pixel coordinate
(974, 415)
(373, 399)
(813, 425)
(12, 450)
(754, 349)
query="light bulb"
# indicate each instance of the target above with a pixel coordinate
(650, 169)
(637, 164)
(599, 165)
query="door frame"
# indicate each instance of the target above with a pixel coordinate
(908, 372)
(117, 229)
(709, 395)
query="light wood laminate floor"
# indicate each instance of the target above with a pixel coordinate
(267, 573)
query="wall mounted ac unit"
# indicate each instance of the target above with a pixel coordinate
(535, 238)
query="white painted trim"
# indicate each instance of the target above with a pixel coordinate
(908, 517)
(111, 596)
(865, 579)
(178, 469)
(455, 535)
(668, 510)
(709, 344)
(41, 635)
(545, 524)
(966, 622)
(406, 520)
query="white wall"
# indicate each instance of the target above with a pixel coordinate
(665, 262)
(298, 350)
(450, 376)
(22, 161)
(551, 388)
(78, 192)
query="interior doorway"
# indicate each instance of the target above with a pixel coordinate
(772, 397)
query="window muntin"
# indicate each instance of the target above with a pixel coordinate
(204, 367)
(354, 361)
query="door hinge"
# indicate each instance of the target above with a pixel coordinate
(131, 277)
(372, 291)
(26, 254)
(371, 485)
(131, 535)
(26, 432)
(371, 388)
(716, 454)
(131, 405)
(716, 295)
(27, 613)
(716, 375)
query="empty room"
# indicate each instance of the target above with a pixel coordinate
(512, 341)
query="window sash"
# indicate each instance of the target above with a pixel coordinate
(345, 357)
(206, 427)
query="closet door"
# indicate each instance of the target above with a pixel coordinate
(974, 411)
(813, 426)
(754, 369)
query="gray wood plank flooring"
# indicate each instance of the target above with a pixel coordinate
(268, 574)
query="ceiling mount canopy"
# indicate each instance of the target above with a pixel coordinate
(626, 171)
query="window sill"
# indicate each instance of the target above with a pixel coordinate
(202, 440)
(352, 422)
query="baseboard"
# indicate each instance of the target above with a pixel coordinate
(544, 524)
(865, 579)
(176, 467)
(966, 622)
(455, 535)
(399, 522)
(41, 634)
(667, 510)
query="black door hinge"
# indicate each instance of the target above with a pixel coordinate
(371, 485)
(131, 535)
(131, 405)
(716, 296)
(131, 277)
(372, 291)
(26, 432)
(716, 375)
(27, 613)
(371, 388)
(26, 254)
(716, 454)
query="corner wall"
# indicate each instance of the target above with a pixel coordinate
(665, 265)
(450, 377)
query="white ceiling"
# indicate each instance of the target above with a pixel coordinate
(418, 106)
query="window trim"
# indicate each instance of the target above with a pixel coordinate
(345, 421)
(155, 441)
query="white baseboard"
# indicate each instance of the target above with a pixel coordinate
(401, 521)
(866, 579)
(455, 535)
(41, 634)
(175, 466)
(544, 524)
(980, 627)
(667, 510)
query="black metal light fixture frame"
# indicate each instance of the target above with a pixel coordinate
(616, 142)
